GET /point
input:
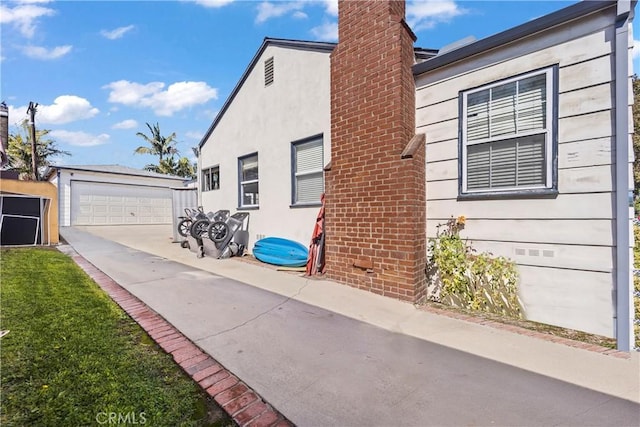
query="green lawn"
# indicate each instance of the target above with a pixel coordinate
(73, 357)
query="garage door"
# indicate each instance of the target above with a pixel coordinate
(112, 204)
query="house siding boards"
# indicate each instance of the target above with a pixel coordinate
(564, 246)
(266, 120)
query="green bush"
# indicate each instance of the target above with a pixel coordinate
(477, 282)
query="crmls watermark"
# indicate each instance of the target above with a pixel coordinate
(121, 418)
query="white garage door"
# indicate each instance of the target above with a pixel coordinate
(112, 204)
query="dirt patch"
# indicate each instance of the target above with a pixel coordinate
(525, 325)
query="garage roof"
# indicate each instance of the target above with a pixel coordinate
(114, 169)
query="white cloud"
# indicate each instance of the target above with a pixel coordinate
(194, 135)
(80, 139)
(39, 52)
(213, 3)
(125, 124)
(423, 15)
(17, 115)
(65, 109)
(176, 97)
(331, 7)
(268, 10)
(24, 16)
(635, 53)
(117, 33)
(326, 32)
(300, 15)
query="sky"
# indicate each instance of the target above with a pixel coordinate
(101, 70)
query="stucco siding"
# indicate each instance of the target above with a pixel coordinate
(266, 120)
(563, 245)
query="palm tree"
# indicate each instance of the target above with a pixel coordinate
(19, 152)
(185, 168)
(168, 166)
(158, 145)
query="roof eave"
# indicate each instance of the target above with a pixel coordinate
(85, 169)
(562, 16)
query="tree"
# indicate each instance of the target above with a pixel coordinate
(19, 152)
(165, 150)
(158, 145)
(168, 166)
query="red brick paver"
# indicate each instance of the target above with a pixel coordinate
(242, 404)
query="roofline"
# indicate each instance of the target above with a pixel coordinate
(288, 43)
(51, 169)
(561, 16)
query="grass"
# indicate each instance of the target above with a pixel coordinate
(73, 357)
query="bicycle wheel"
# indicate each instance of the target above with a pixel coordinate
(199, 228)
(184, 227)
(218, 231)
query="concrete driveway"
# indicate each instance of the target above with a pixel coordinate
(325, 354)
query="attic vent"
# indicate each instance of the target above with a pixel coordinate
(268, 71)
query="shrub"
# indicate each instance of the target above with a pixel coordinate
(460, 277)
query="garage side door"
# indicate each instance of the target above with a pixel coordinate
(113, 204)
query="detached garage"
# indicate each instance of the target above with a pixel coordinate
(113, 195)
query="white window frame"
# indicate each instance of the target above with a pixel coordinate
(242, 183)
(208, 173)
(550, 133)
(295, 174)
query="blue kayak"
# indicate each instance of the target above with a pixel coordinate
(282, 252)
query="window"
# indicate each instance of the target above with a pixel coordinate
(307, 179)
(268, 71)
(508, 135)
(248, 179)
(211, 179)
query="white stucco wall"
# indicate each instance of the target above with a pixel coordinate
(267, 120)
(564, 246)
(66, 176)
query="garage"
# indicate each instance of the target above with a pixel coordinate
(113, 195)
(112, 204)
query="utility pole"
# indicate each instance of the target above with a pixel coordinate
(4, 133)
(31, 110)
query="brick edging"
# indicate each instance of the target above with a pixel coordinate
(528, 332)
(237, 399)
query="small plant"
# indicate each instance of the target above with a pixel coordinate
(460, 277)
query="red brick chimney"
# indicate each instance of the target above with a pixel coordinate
(375, 192)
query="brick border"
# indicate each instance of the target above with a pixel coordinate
(236, 398)
(528, 332)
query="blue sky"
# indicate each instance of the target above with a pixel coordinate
(100, 70)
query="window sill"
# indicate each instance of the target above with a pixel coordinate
(305, 205)
(546, 193)
(248, 208)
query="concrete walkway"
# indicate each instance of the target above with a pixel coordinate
(324, 354)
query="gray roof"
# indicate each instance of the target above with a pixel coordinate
(562, 16)
(116, 169)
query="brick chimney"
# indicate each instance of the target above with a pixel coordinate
(375, 187)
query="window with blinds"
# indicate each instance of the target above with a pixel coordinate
(248, 181)
(307, 171)
(507, 133)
